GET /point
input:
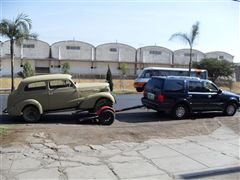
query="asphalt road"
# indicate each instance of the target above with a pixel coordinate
(123, 101)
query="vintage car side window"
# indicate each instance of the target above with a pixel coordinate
(55, 84)
(35, 86)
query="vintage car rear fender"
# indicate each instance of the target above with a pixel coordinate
(18, 108)
(90, 101)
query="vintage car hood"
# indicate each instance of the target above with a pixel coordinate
(101, 87)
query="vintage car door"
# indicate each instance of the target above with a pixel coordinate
(62, 94)
(37, 91)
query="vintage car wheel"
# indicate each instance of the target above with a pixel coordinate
(230, 109)
(31, 114)
(106, 117)
(102, 102)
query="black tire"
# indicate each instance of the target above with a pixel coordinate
(106, 117)
(102, 102)
(180, 111)
(139, 89)
(230, 109)
(31, 114)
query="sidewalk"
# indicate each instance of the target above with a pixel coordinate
(188, 158)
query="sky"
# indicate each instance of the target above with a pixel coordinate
(137, 23)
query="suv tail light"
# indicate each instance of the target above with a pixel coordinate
(145, 94)
(160, 98)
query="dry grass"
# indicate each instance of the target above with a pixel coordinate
(127, 85)
(119, 85)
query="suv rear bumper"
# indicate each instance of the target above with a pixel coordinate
(155, 105)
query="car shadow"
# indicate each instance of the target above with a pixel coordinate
(128, 117)
(152, 116)
(51, 119)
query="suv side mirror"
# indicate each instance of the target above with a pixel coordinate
(219, 91)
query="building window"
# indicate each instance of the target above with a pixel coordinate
(73, 47)
(113, 49)
(155, 52)
(28, 46)
(221, 57)
(188, 54)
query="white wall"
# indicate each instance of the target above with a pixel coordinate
(123, 53)
(154, 54)
(220, 55)
(60, 50)
(39, 49)
(181, 56)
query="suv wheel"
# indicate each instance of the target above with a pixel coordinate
(31, 114)
(230, 109)
(106, 117)
(180, 111)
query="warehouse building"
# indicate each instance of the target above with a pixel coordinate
(182, 56)
(220, 55)
(87, 60)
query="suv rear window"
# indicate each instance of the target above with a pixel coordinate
(155, 83)
(174, 86)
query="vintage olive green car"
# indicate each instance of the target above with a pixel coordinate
(43, 93)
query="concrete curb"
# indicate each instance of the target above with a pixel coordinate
(208, 172)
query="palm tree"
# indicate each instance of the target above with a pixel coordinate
(16, 30)
(188, 38)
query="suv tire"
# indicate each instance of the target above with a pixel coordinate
(230, 109)
(180, 111)
(31, 114)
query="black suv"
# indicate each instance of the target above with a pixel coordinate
(181, 96)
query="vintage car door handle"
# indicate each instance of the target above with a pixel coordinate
(50, 93)
(209, 96)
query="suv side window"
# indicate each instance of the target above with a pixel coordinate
(174, 86)
(209, 87)
(154, 83)
(55, 84)
(196, 86)
(35, 86)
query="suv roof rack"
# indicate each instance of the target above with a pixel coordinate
(183, 77)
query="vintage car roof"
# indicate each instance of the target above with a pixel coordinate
(46, 77)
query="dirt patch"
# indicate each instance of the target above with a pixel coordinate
(77, 134)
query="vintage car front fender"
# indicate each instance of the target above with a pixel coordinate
(17, 109)
(90, 101)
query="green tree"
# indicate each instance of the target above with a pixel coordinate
(27, 71)
(16, 31)
(66, 67)
(216, 68)
(189, 39)
(124, 69)
(109, 78)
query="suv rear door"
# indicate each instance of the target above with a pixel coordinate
(153, 88)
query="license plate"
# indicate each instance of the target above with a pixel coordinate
(151, 96)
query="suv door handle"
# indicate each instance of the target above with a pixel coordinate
(209, 96)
